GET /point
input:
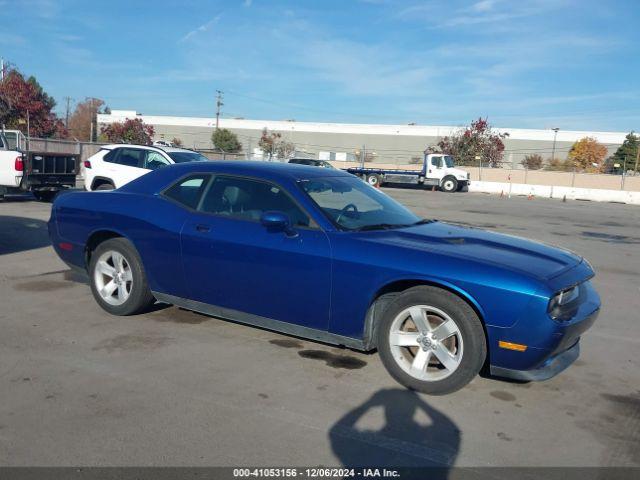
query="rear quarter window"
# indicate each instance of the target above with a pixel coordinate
(110, 156)
(187, 191)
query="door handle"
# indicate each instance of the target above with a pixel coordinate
(203, 228)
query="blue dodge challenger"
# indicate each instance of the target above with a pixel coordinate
(320, 254)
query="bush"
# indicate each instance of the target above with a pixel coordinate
(131, 131)
(225, 141)
(532, 162)
(559, 165)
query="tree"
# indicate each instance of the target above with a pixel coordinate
(587, 154)
(20, 97)
(476, 140)
(176, 142)
(532, 161)
(274, 145)
(626, 154)
(131, 131)
(559, 165)
(225, 141)
(83, 120)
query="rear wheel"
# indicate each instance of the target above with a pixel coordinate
(118, 280)
(44, 195)
(374, 179)
(431, 341)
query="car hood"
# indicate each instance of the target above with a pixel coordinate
(456, 172)
(505, 251)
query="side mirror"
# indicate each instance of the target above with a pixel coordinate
(275, 221)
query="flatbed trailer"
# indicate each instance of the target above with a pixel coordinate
(437, 171)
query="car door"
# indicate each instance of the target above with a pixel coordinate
(232, 261)
(435, 168)
(129, 165)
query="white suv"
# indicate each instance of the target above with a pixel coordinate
(116, 165)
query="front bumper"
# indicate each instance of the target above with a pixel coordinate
(551, 345)
(550, 368)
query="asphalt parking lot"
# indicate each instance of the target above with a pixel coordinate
(171, 387)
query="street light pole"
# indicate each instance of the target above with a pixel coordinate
(555, 135)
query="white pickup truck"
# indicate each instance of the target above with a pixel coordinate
(44, 174)
(11, 168)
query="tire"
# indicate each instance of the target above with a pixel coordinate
(131, 293)
(45, 195)
(463, 347)
(105, 186)
(374, 180)
(449, 184)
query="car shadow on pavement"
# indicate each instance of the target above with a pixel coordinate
(19, 233)
(414, 434)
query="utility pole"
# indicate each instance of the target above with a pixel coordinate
(363, 155)
(635, 169)
(218, 105)
(66, 116)
(555, 135)
(1, 69)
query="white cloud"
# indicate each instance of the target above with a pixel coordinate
(483, 6)
(247, 3)
(11, 39)
(202, 28)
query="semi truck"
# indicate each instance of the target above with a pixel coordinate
(438, 170)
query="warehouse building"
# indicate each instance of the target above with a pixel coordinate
(398, 144)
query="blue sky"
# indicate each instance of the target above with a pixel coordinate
(574, 64)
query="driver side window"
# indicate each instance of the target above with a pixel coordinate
(155, 160)
(248, 199)
(436, 162)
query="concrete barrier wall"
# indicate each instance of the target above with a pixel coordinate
(560, 192)
(530, 177)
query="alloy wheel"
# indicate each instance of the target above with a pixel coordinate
(113, 277)
(426, 343)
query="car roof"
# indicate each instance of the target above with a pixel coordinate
(272, 171)
(111, 146)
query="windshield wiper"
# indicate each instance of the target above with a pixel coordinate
(424, 221)
(378, 226)
(387, 226)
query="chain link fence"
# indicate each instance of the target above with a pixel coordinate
(382, 160)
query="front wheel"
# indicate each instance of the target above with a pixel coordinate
(118, 280)
(432, 341)
(449, 184)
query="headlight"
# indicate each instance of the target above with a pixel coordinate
(563, 304)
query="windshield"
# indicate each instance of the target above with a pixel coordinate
(448, 161)
(354, 205)
(182, 157)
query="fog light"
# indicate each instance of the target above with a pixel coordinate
(512, 346)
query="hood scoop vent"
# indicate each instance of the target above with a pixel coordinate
(455, 240)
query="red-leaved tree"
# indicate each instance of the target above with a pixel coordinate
(19, 98)
(477, 140)
(131, 131)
